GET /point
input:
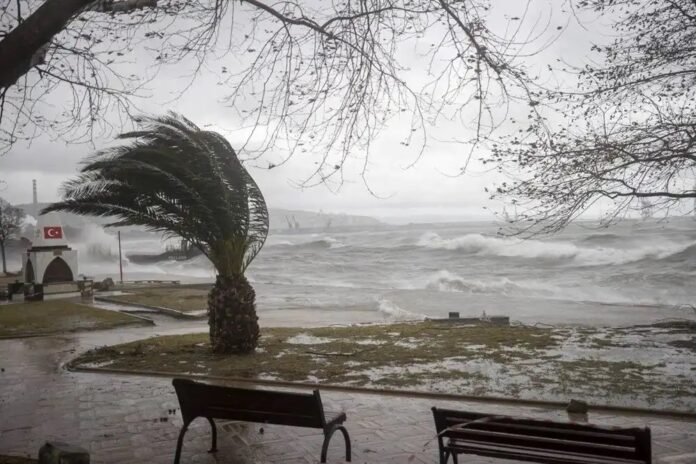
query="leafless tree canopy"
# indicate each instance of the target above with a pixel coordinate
(628, 135)
(10, 223)
(304, 76)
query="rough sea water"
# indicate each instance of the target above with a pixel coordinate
(632, 273)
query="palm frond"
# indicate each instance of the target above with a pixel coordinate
(172, 177)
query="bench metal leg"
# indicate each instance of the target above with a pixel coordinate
(213, 449)
(445, 455)
(327, 439)
(180, 443)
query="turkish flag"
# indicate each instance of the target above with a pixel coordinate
(53, 232)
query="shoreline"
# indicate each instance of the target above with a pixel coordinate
(347, 305)
(645, 367)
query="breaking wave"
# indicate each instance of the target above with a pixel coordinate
(446, 281)
(313, 243)
(393, 312)
(688, 254)
(511, 247)
(604, 239)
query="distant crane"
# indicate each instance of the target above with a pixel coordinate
(510, 217)
(646, 209)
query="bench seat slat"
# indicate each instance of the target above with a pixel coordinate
(543, 443)
(457, 417)
(554, 432)
(533, 454)
(334, 417)
(264, 417)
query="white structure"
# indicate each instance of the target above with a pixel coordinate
(49, 260)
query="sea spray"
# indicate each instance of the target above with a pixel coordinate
(393, 312)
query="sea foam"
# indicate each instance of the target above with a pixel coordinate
(512, 247)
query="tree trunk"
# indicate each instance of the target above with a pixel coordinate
(234, 326)
(4, 263)
(19, 46)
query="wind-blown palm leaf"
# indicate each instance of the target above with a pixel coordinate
(175, 178)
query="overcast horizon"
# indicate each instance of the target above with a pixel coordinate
(429, 189)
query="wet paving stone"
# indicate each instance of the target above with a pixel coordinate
(131, 419)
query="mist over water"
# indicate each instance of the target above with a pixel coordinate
(634, 272)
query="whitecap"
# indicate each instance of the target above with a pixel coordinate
(393, 312)
(512, 247)
(446, 281)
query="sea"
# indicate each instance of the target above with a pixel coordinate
(634, 272)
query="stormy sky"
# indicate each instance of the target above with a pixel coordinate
(426, 191)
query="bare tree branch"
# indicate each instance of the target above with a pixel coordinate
(626, 134)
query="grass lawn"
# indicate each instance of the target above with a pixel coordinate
(16, 460)
(179, 298)
(650, 366)
(51, 316)
(8, 279)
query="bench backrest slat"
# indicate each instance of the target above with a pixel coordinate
(543, 435)
(552, 432)
(542, 443)
(273, 407)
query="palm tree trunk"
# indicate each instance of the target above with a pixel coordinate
(234, 326)
(4, 262)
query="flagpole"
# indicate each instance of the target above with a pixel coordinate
(120, 259)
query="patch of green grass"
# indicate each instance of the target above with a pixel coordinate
(412, 379)
(335, 360)
(16, 460)
(621, 379)
(9, 278)
(179, 298)
(481, 360)
(53, 316)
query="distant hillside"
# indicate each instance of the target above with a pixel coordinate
(280, 220)
(288, 219)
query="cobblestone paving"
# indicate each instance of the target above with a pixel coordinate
(130, 419)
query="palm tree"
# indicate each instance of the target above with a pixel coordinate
(175, 178)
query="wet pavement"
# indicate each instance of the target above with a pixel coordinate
(133, 419)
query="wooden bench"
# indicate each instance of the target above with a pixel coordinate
(268, 407)
(535, 440)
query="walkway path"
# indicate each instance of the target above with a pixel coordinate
(130, 419)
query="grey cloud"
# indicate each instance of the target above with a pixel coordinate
(425, 187)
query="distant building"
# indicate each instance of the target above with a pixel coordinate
(49, 259)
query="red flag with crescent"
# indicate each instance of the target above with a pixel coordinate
(53, 232)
